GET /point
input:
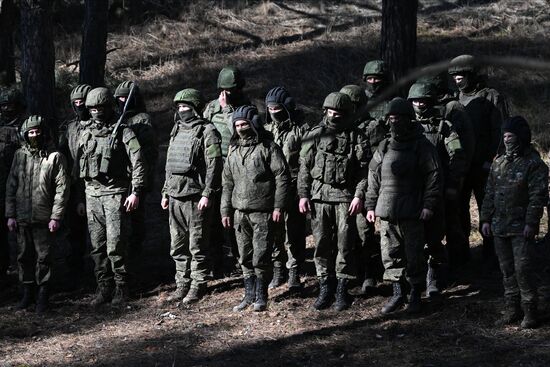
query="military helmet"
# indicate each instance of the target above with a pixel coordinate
(11, 95)
(356, 94)
(422, 91)
(466, 63)
(99, 97)
(230, 77)
(248, 113)
(123, 89)
(439, 81)
(400, 106)
(192, 97)
(338, 101)
(375, 67)
(80, 92)
(32, 122)
(279, 95)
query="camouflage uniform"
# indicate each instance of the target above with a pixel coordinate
(516, 194)
(333, 170)
(255, 183)
(9, 143)
(486, 109)
(193, 170)
(404, 178)
(288, 135)
(140, 122)
(36, 192)
(109, 171)
(378, 69)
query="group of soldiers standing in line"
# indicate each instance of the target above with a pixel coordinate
(236, 183)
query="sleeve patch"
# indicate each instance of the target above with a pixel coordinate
(214, 151)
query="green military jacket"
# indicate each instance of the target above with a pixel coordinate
(142, 126)
(516, 193)
(38, 186)
(333, 166)
(255, 176)
(288, 136)
(9, 143)
(375, 131)
(377, 112)
(194, 161)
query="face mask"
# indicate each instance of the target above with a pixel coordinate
(280, 116)
(120, 105)
(335, 122)
(82, 112)
(512, 147)
(399, 127)
(464, 84)
(420, 111)
(374, 88)
(185, 115)
(35, 142)
(245, 133)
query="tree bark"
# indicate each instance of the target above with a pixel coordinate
(38, 57)
(94, 43)
(398, 46)
(7, 24)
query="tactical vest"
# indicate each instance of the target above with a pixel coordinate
(98, 158)
(183, 151)
(399, 171)
(216, 116)
(333, 159)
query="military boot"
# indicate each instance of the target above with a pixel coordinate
(42, 301)
(294, 279)
(121, 295)
(26, 300)
(103, 295)
(278, 277)
(326, 294)
(432, 290)
(415, 299)
(396, 301)
(179, 293)
(511, 314)
(260, 303)
(249, 293)
(342, 296)
(194, 295)
(530, 320)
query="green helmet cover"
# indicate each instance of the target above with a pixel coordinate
(356, 94)
(190, 96)
(99, 97)
(338, 101)
(123, 89)
(465, 64)
(422, 91)
(375, 67)
(230, 77)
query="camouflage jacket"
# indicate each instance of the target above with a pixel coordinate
(288, 136)
(377, 112)
(255, 177)
(142, 126)
(516, 193)
(454, 112)
(9, 143)
(38, 186)
(375, 131)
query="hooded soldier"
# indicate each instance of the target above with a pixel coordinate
(36, 196)
(111, 165)
(404, 190)
(516, 194)
(331, 185)
(193, 174)
(255, 194)
(287, 133)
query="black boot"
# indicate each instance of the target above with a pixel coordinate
(26, 300)
(342, 296)
(260, 304)
(294, 279)
(42, 302)
(511, 314)
(326, 294)
(121, 295)
(194, 295)
(415, 299)
(278, 277)
(103, 295)
(432, 290)
(396, 301)
(179, 293)
(249, 293)
(530, 319)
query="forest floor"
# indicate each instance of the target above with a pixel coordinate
(312, 50)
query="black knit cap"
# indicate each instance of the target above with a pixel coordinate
(248, 113)
(518, 126)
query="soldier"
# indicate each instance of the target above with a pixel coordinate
(137, 119)
(517, 191)
(193, 175)
(255, 192)
(36, 195)
(331, 185)
(442, 134)
(110, 162)
(404, 190)
(368, 249)
(219, 112)
(281, 122)
(11, 111)
(486, 109)
(376, 78)
(75, 220)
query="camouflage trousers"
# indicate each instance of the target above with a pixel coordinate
(335, 234)
(290, 239)
(108, 227)
(434, 232)
(516, 265)
(189, 241)
(138, 228)
(34, 243)
(402, 245)
(254, 231)
(369, 263)
(4, 246)
(77, 234)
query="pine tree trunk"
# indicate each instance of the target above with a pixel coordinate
(398, 46)
(7, 24)
(94, 43)
(38, 57)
